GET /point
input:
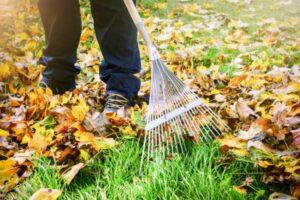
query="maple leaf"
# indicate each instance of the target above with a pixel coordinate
(79, 111)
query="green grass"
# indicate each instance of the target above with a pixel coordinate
(113, 175)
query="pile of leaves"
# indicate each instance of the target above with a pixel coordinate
(247, 71)
(68, 129)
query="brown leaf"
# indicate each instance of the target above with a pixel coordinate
(296, 138)
(295, 191)
(260, 145)
(243, 110)
(253, 131)
(114, 119)
(280, 113)
(291, 121)
(72, 172)
(95, 122)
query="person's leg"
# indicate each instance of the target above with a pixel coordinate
(62, 25)
(117, 36)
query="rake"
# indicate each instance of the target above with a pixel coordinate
(174, 112)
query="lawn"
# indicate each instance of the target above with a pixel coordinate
(212, 46)
(114, 175)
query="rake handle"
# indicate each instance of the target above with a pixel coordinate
(141, 28)
(133, 11)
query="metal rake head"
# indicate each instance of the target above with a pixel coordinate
(174, 114)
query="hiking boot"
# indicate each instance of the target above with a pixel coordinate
(57, 88)
(114, 102)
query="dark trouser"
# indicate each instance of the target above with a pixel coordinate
(115, 32)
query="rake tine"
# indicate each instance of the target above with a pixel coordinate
(143, 155)
(181, 95)
(175, 102)
(213, 122)
(216, 117)
(177, 133)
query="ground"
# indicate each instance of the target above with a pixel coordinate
(241, 57)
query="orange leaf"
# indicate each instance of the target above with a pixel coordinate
(236, 81)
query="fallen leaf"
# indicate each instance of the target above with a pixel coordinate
(104, 143)
(38, 142)
(280, 196)
(83, 136)
(3, 133)
(79, 111)
(236, 81)
(296, 138)
(8, 175)
(253, 132)
(291, 121)
(295, 191)
(280, 113)
(243, 110)
(69, 175)
(261, 146)
(240, 190)
(46, 194)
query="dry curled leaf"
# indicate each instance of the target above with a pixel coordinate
(243, 110)
(69, 175)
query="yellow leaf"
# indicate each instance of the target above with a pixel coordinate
(232, 141)
(240, 152)
(8, 175)
(84, 154)
(8, 183)
(38, 141)
(4, 70)
(53, 103)
(161, 6)
(83, 136)
(240, 190)
(19, 129)
(104, 143)
(66, 98)
(264, 163)
(127, 131)
(46, 194)
(25, 139)
(48, 92)
(79, 111)
(3, 133)
(6, 165)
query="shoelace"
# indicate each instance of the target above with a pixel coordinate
(116, 101)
